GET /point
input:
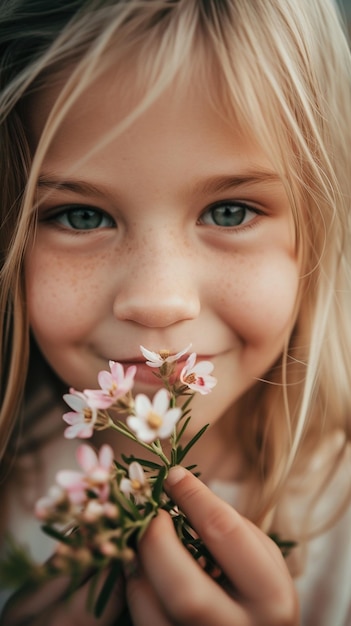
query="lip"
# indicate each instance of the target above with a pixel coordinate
(146, 374)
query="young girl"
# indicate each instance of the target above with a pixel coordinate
(175, 172)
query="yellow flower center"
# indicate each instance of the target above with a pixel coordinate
(190, 379)
(154, 420)
(88, 414)
(136, 485)
(112, 389)
(164, 354)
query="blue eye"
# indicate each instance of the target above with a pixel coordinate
(228, 215)
(80, 217)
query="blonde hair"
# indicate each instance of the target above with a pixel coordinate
(281, 70)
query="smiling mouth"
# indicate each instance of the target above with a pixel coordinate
(142, 361)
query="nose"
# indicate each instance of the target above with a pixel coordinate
(158, 288)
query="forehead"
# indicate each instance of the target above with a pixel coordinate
(112, 107)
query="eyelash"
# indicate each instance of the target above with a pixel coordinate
(233, 210)
(86, 211)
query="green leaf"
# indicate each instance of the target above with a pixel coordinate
(158, 485)
(187, 402)
(143, 462)
(285, 545)
(190, 468)
(124, 618)
(127, 505)
(107, 588)
(56, 534)
(182, 452)
(181, 432)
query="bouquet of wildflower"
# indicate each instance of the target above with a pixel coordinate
(98, 514)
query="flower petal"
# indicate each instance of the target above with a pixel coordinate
(86, 457)
(106, 456)
(75, 401)
(73, 418)
(136, 472)
(160, 402)
(203, 368)
(130, 373)
(117, 371)
(83, 431)
(105, 379)
(170, 420)
(141, 430)
(98, 399)
(126, 486)
(150, 356)
(69, 479)
(142, 405)
(177, 356)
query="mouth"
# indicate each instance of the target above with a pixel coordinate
(146, 374)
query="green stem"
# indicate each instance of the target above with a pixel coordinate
(123, 431)
(158, 450)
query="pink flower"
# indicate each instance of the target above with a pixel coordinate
(96, 475)
(82, 419)
(136, 485)
(48, 505)
(197, 376)
(153, 420)
(114, 384)
(156, 359)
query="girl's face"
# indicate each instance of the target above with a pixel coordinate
(176, 231)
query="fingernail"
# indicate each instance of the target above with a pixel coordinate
(176, 474)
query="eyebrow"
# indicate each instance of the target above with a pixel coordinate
(76, 186)
(212, 185)
(224, 183)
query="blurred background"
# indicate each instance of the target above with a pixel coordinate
(345, 7)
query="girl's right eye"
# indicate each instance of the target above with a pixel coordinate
(81, 217)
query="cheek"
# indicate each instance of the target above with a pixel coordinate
(260, 303)
(62, 297)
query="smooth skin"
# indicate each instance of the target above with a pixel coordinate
(171, 588)
(50, 606)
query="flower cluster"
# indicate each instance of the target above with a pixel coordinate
(98, 514)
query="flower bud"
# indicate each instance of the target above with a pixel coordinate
(107, 548)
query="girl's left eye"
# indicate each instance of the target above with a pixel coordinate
(228, 214)
(80, 217)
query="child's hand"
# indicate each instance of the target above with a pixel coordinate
(50, 606)
(171, 588)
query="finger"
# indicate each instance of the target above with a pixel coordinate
(52, 606)
(246, 555)
(187, 594)
(144, 606)
(28, 603)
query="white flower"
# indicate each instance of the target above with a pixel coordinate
(93, 512)
(83, 417)
(157, 359)
(197, 376)
(153, 420)
(136, 485)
